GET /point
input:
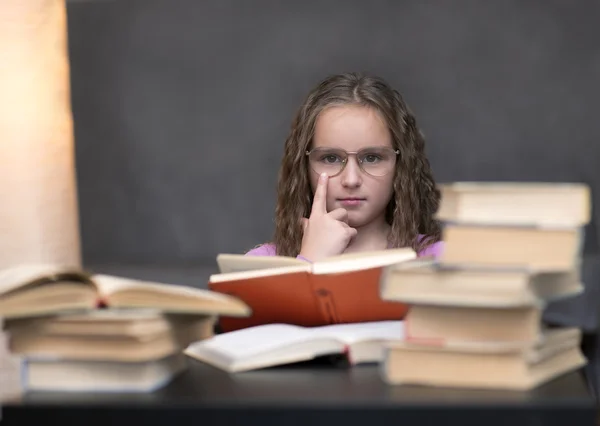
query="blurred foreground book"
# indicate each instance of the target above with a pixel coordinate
(95, 333)
(476, 315)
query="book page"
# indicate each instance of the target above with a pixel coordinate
(240, 263)
(248, 342)
(356, 332)
(22, 275)
(365, 260)
(258, 273)
(109, 285)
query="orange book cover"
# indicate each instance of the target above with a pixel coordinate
(345, 289)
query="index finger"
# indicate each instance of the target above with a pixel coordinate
(319, 205)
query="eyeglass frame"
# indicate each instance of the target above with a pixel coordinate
(355, 153)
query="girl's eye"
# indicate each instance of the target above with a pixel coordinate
(330, 158)
(372, 158)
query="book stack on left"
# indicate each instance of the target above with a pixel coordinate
(75, 331)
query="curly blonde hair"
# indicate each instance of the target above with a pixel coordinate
(416, 198)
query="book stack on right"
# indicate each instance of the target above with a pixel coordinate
(476, 314)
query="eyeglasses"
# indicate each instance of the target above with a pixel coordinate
(375, 161)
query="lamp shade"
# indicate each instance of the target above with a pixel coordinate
(38, 197)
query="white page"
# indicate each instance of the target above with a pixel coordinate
(15, 276)
(350, 333)
(251, 341)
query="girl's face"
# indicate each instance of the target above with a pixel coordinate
(353, 128)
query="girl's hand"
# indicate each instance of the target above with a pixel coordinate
(325, 234)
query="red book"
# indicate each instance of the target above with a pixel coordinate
(279, 289)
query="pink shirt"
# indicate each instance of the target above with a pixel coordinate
(434, 250)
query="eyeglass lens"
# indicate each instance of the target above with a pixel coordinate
(374, 161)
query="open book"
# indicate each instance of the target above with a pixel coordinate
(278, 289)
(279, 344)
(31, 290)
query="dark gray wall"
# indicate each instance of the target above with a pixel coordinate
(181, 107)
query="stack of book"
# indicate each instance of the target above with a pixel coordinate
(75, 331)
(475, 319)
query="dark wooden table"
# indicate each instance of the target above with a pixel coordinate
(307, 395)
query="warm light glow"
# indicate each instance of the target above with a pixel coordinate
(38, 199)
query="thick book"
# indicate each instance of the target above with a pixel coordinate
(106, 335)
(280, 344)
(484, 365)
(537, 204)
(493, 287)
(444, 324)
(340, 289)
(50, 375)
(34, 290)
(103, 323)
(512, 246)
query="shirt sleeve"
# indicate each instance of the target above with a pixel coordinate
(269, 250)
(262, 250)
(434, 250)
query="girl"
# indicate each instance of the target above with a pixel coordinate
(354, 175)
